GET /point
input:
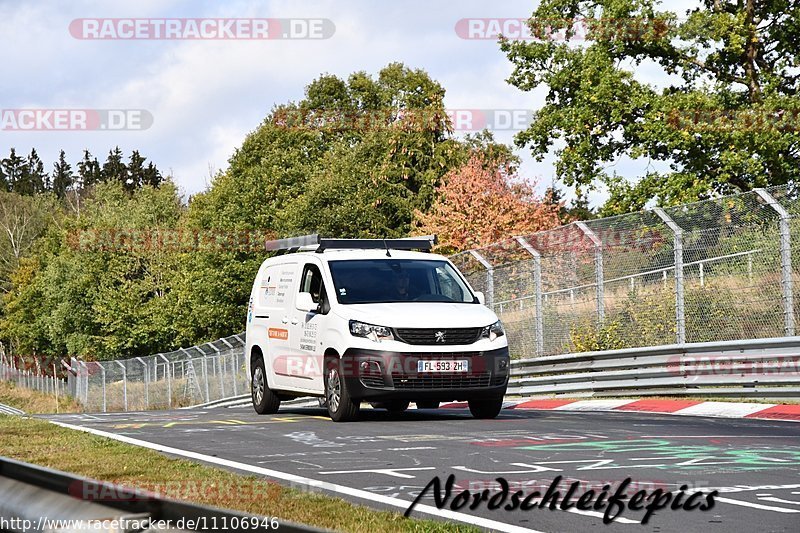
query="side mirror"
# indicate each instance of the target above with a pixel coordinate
(481, 298)
(306, 303)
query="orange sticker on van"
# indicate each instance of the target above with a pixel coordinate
(278, 333)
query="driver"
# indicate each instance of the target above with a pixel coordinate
(401, 286)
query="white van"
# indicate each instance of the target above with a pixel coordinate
(371, 320)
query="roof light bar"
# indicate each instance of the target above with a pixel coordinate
(293, 244)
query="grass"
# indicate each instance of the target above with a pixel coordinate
(39, 442)
(32, 401)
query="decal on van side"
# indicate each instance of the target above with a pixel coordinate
(278, 333)
(285, 282)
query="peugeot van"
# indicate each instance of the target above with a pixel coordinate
(380, 321)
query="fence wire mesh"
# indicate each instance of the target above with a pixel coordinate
(720, 269)
(187, 376)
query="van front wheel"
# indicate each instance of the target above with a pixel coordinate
(486, 408)
(341, 407)
(265, 402)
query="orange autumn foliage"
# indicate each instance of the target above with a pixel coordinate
(479, 203)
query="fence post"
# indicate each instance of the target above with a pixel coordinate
(786, 261)
(489, 277)
(103, 375)
(146, 379)
(124, 384)
(85, 382)
(537, 285)
(680, 316)
(233, 365)
(169, 379)
(55, 385)
(243, 365)
(598, 270)
(218, 365)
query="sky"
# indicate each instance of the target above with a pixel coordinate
(200, 98)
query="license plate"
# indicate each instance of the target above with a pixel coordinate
(443, 365)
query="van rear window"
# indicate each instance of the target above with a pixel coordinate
(388, 280)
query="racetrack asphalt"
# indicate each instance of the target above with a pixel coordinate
(385, 460)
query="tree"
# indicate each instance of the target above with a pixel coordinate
(63, 179)
(725, 122)
(152, 176)
(94, 289)
(23, 219)
(114, 168)
(15, 169)
(479, 204)
(34, 179)
(89, 172)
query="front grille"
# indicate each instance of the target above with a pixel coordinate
(438, 336)
(446, 381)
(499, 380)
(373, 381)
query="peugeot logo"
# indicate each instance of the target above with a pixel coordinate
(440, 336)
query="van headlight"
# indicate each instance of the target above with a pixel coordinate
(493, 331)
(370, 331)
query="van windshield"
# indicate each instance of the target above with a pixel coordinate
(388, 280)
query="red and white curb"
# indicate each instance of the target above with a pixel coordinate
(769, 411)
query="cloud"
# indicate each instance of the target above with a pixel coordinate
(205, 96)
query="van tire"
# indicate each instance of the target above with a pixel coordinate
(265, 402)
(486, 408)
(341, 407)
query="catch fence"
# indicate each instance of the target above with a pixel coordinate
(717, 270)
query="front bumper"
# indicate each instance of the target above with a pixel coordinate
(377, 375)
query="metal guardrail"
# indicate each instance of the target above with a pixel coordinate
(8, 410)
(753, 368)
(39, 497)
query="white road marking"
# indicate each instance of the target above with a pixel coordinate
(714, 436)
(394, 472)
(723, 409)
(757, 505)
(619, 519)
(779, 500)
(592, 405)
(311, 483)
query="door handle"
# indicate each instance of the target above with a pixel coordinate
(295, 321)
(285, 320)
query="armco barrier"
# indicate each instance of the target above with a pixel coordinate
(754, 368)
(37, 498)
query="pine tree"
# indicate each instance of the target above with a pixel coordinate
(89, 172)
(136, 171)
(63, 179)
(152, 176)
(3, 179)
(15, 169)
(114, 168)
(38, 180)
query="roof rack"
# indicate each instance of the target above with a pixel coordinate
(294, 244)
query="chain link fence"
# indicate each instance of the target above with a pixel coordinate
(34, 376)
(187, 376)
(716, 270)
